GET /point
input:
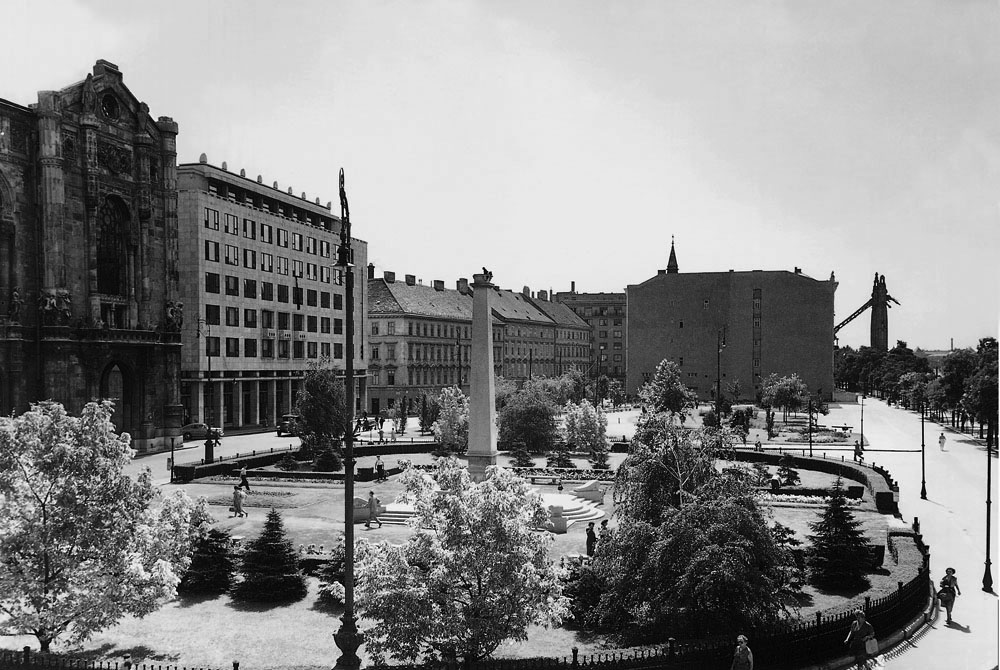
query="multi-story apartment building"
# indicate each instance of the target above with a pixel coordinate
(420, 337)
(723, 327)
(89, 284)
(607, 315)
(258, 278)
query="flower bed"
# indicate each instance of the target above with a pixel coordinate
(800, 500)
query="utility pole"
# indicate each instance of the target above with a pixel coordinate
(721, 344)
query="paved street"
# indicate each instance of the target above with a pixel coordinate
(953, 521)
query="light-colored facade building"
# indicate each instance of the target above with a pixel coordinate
(607, 315)
(767, 322)
(420, 338)
(264, 299)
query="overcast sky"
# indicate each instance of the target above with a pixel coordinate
(567, 141)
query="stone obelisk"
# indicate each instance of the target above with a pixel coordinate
(482, 451)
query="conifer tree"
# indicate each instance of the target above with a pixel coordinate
(212, 565)
(788, 475)
(840, 552)
(270, 567)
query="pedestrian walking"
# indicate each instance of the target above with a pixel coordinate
(861, 639)
(949, 590)
(757, 446)
(238, 495)
(381, 436)
(859, 452)
(591, 539)
(941, 441)
(372, 511)
(243, 478)
(743, 658)
(605, 531)
(379, 468)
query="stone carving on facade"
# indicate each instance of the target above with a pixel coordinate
(142, 117)
(69, 149)
(88, 97)
(19, 137)
(116, 159)
(55, 307)
(14, 306)
(175, 316)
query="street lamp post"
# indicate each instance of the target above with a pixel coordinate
(923, 472)
(172, 461)
(862, 421)
(209, 414)
(348, 638)
(720, 341)
(987, 576)
(810, 422)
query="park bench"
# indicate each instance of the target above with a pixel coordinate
(552, 479)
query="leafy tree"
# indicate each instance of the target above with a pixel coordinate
(331, 575)
(710, 566)
(80, 544)
(322, 408)
(616, 392)
(957, 367)
(585, 427)
(503, 390)
(980, 397)
(287, 463)
(529, 418)
(788, 475)
(329, 461)
(473, 574)
(667, 393)
(212, 565)
(739, 422)
(788, 394)
(577, 385)
(451, 429)
(270, 567)
(429, 411)
(710, 420)
(840, 553)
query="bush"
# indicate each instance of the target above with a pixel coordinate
(522, 459)
(212, 565)
(270, 567)
(329, 461)
(288, 463)
(787, 475)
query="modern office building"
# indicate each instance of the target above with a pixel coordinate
(264, 299)
(607, 315)
(420, 337)
(723, 327)
(90, 301)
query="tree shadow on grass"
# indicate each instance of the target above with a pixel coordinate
(192, 599)
(260, 605)
(327, 607)
(842, 592)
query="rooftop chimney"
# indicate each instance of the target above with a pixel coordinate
(462, 285)
(438, 285)
(371, 271)
(526, 292)
(572, 287)
(543, 295)
(390, 277)
(411, 280)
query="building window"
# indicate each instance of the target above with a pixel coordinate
(338, 302)
(282, 265)
(374, 327)
(298, 322)
(311, 349)
(284, 319)
(212, 346)
(266, 233)
(311, 297)
(311, 271)
(266, 290)
(249, 348)
(374, 352)
(211, 282)
(324, 324)
(249, 318)
(391, 377)
(232, 285)
(283, 241)
(390, 352)
(338, 350)
(311, 324)
(266, 262)
(324, 248)
(232, 316)
(338, 326)
(232, 347)
(249, 288)
(324, 274)
(211, 251)
(250, 259)
(390, 327)
(616, 345)
(603, 334)
(296, 242)
(324, 300)
(282, 293)
(211, 219)
(756, 362)
(283, 349)
(232, 225)
(617, 333)
(324, 349)
(616, 358)
(250, 229)
(756, 322)
(266, 318)
(212, 315)
(298, 349)
(267, 349)
(705, 305)
(311, 245)
(232, 255)
(297, 296)
(681, 324)
(296, 268)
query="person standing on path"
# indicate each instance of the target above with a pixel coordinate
(857, 638)
(941, 441)
(743, 658)
(591, 539)
(756, 445)
(238, 501)
(949, 591)
(243, 478)
(372, 511)
(379, 469)
(859, 452)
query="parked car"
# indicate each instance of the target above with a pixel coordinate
(288, 425)
(199, 431)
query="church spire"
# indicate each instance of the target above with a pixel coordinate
(672, 263)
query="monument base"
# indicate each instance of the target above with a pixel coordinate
(478, 464)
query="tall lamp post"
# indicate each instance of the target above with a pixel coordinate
(862, 421)
(923, 465)
(348, 638)
(209, 415)
(987, 576)
(720, 341)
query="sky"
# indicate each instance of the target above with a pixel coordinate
(557, 142)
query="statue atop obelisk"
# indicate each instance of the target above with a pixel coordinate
(482, 450)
